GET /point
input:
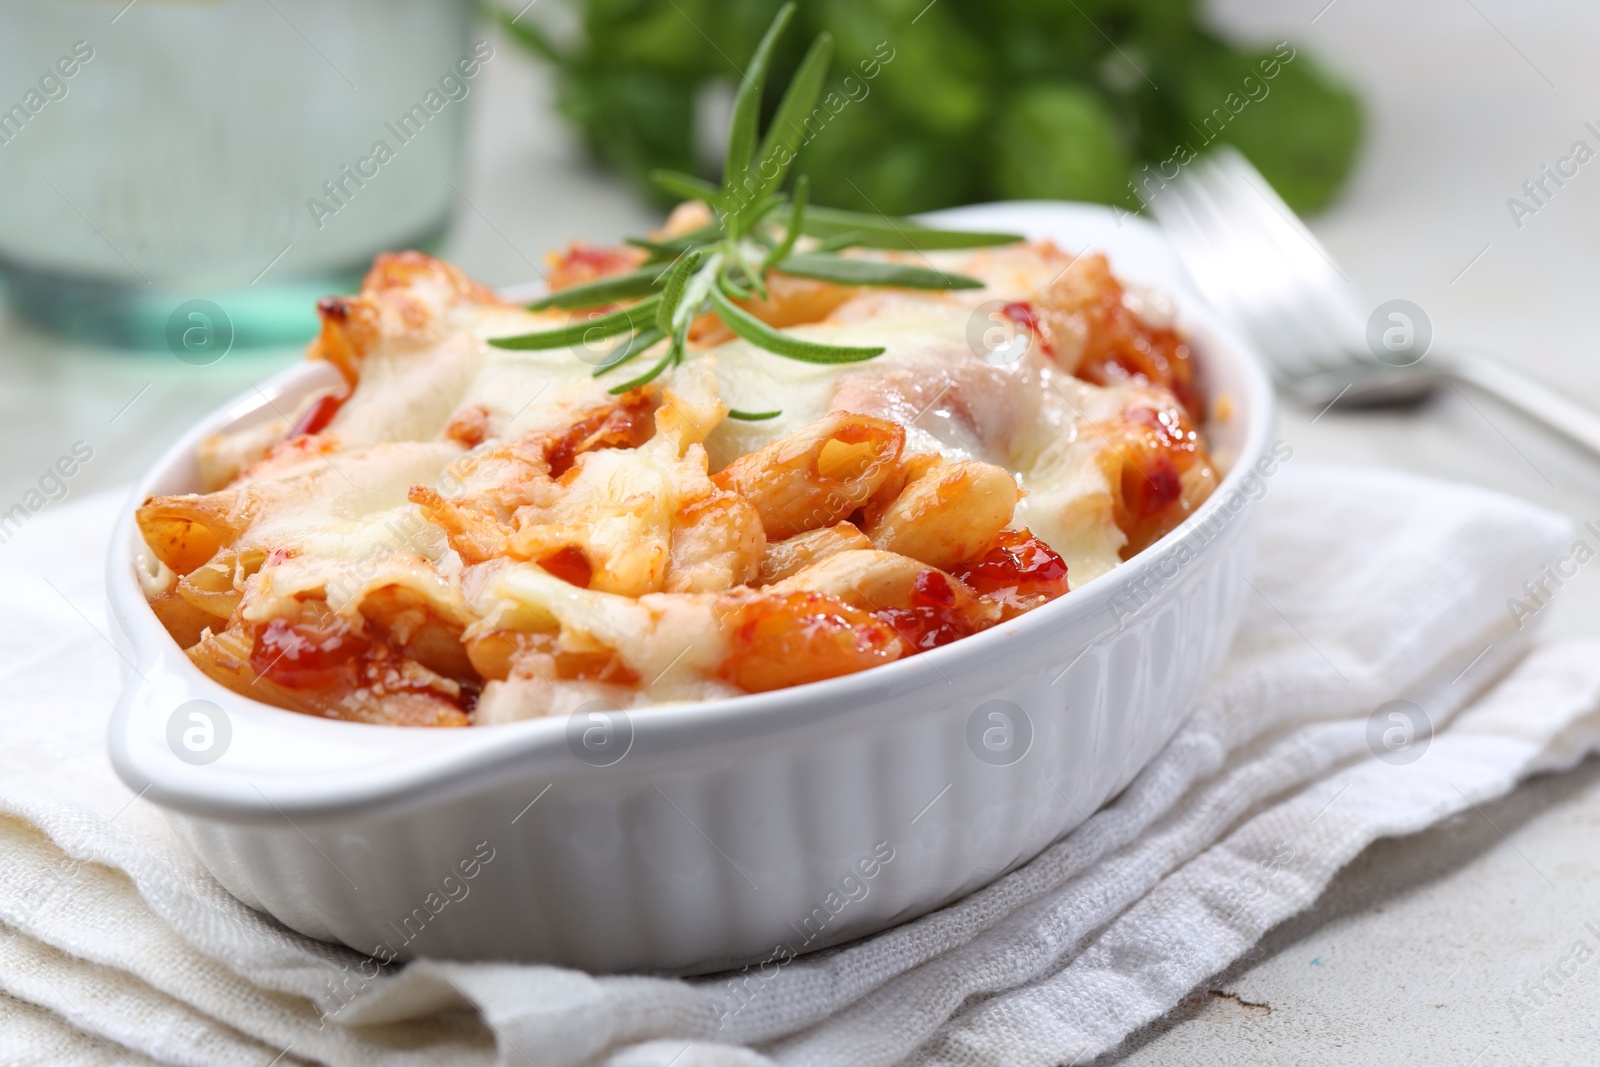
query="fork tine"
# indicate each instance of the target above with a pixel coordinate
(1186, 212)
(1259, 264)
(1328, 289)
(1245, 275)
(1276, 262)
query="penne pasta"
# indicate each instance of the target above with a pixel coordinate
(784, 558)
(947, 514)
(463, 533)
(818, 475)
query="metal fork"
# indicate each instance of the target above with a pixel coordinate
(1260, 267)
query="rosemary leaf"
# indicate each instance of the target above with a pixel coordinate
(585, 330)
(687, 186)
(747, 104)
(732, 255)
(650, 375)
(797, 214)
(674, 247)
(760, 334)
(736, 287)
(629, 349)
(880, 231)
(840, 241)
(871, 272)
(788, 122)
(606, 290)
(677, 278)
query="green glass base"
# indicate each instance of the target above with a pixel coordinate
(150, 317)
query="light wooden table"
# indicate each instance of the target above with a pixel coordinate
(1417, 951)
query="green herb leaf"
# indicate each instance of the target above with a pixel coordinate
(736, 287)
(674, 247)
(788, 122)
(629, 349)
(930, 240)
(973, 103)
(584, 331)
(840, 241)
(797, 214)
(747, 104)
(756, 211)
(752, 416)
(687, 186)
(880, 231)
(751, 275)
(732, 256)
(760, 334)
(872, 272)
(650, 375)
(606, 290)
(677, 278)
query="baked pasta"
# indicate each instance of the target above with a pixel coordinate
(465, 534)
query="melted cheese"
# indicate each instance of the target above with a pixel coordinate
(673, 641)
(1026, 416)
(347, 505)
(332, 516)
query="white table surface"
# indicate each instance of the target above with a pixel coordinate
(1418, 950)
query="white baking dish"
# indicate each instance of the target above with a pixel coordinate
(798, 818)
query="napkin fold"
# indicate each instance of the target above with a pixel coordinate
(1379, 683)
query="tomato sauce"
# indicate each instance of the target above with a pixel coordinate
(1021, 312)
(932, 619)
(570, 565)
(582, 263)
(1018, 571)
(1088, 301)
(303, 656)
(1154, 450)
(628, 423)
(1120, 347)
(327, 655)
(315, 418)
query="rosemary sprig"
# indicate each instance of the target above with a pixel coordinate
(713, 268)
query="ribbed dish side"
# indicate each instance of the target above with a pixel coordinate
(719, 862)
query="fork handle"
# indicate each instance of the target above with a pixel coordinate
(1527, 394)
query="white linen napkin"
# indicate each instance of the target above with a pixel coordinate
(116, 946)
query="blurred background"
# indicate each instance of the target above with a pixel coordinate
(970, 101)
(179, 181)
(255, 154)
